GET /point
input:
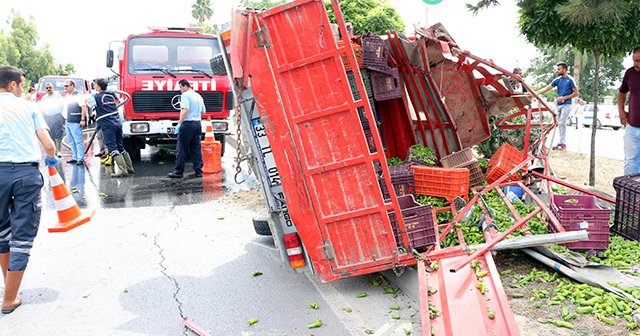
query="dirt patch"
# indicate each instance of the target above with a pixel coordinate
(574, 167)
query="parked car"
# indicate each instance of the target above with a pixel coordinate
(608, 116)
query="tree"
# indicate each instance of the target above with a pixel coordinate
(19, 47)
(376, 16)
(542, 70)
(201, 10)
(602, 28)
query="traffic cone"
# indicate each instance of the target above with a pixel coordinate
(208, 135)
(211, 157)
(69, 214)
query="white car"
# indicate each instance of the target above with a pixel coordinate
(608, 116)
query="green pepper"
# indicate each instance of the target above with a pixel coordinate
(316, 324)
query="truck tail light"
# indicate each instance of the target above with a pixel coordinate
(607, 115)
(294, 250)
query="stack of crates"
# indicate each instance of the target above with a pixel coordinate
(374, 52)
(581, 212)
(345, 60)
(402, 180)
(465, 159)
(418, 221)
(441, 182)
(386, 85)
(627, 216)
(505, 159)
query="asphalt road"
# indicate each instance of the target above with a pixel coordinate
(159, 250)
(608, 142)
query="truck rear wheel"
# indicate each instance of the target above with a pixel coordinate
(261, 226)
(132, 147)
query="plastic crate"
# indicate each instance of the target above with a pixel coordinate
(402, 180)
(441, 182)
(476, 177)
(386, 86)
(356, 49)
(370, 142)
(460, 158)
(418, 222)
(581, 212)
(374, 52)
(502, 162)
(627, 215)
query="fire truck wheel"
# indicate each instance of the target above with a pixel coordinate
(261, 226)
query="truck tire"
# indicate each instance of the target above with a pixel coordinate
(130, 145)
(261, 226)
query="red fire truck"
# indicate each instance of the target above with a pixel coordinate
(150, 66)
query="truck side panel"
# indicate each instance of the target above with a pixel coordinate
(301, 88)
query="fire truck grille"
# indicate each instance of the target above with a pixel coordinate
(161, 101)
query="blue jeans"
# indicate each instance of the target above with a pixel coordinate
(112, 135)
(20, 209)
(631, 150)
(74, 134)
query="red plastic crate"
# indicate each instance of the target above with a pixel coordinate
(386, 86)
(502, 162)
(402, 180)
(418, 222)
(627, 215)
(441, 182)
(356, 49)
(374, 52)
(580, 212)
(457, 159)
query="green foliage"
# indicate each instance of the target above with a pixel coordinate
(20, 47)
(201, 10)
(542, 69)
(514, 137)
(376, 16)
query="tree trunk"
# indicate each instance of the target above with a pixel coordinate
(577, 66)
(592, 161)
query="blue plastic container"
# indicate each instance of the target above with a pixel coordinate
(516, 190)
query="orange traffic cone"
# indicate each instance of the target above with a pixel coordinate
(69, 214)
(208, 135)
(211, 157)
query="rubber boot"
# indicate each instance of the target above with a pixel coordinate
(119, 160)
(58, 147)
(107, 161)
(128, 162)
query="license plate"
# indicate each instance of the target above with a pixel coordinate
(269, 163)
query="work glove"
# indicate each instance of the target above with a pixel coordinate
(177, 129)
(51, 162)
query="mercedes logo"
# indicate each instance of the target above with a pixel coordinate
(175, 102)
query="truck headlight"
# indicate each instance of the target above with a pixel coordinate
(220, 126)
(140, 127)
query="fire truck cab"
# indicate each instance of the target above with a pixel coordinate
(150, 66)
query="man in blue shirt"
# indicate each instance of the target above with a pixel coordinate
(21, 128)
(567, 90)
(189, 130)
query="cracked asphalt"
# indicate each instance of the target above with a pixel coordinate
(153, 256)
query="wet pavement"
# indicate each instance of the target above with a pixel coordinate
(93, 188)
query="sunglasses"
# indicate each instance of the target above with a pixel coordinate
(66, 86)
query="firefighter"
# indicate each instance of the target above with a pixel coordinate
(108, 121)
(23, 129)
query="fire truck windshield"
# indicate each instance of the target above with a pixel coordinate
(171, 55)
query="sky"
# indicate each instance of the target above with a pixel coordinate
(80, 34)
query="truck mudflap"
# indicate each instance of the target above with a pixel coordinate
(311, 120)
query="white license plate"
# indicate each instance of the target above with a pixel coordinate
(267, 155)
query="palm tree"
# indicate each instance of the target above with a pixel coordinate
(201, 10)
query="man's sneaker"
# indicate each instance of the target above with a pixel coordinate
(72, 161)
(80, 163)
(560, 147)
(174, 175)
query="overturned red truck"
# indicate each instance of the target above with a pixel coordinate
(320, 134)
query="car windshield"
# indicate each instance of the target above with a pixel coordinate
(58, 84)
(171, 54)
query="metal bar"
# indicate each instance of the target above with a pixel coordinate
(537, 240)
(567, 184)
(545, 208)
(320, 114)
(490, 244)
(194, 327)
(515, 213)
(310, 60)
(372, 122)
(425, 320)
(355, 213)
(337, 165)
(418, 104)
